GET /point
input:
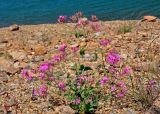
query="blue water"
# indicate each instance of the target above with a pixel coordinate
(47, 11)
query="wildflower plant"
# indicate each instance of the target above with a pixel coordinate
(84, 86)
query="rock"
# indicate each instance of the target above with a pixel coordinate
(18, 55)
(3, 77)
(7, 66)
(3, 40)
(119, 36)
(32, 42)
(23, 64)
(149, 18)
(155, 109)
(37, 59)
(39, 34)
(113, 112)
(64, 110)
(2, 45)
(89, 57)
(11, 102)
(2, 89)
(129, 111)
(144, 34)
(40, 50)
(16, 64)
(14, 27)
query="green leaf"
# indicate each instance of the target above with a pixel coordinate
(49, 83)
(81, 67)
(91, 109)
(87, 68)
(96, 56)
(82, 52)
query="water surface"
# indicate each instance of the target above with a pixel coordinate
(47, 11)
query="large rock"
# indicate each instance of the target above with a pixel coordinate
(18, 55)
(14, 27)
(149, 18)
(7, 66)
(3, 43)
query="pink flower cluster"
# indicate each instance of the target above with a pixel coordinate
(82, 22)
(94, 18)
(26, 74)
(125, 71)
(44, 67)
(58, 58)
(77, 101)
(81, 80)
(62, 47)
(104, 80)
(120, 89)
(112, 57)
(61, 86)
(42, 91)
(104, 42)
(62, 19)
(75, 17)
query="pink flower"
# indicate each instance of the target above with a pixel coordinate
(36, 92)
(77, 101)
(125, 71)
(113, 88)
(62, 48)
(152, 82)
(120, 94)
(56, 58)
(104, 42)
(104, 80)
(82, 22)
(121, 84)
(61, 86)
(44, 67)
(41, 75)
(29, 77)
(43, 90)
(94, 18)
(24, 73)
(81, 80)
(73, 18)
(112, 69)
(113, 58)
(62, 19)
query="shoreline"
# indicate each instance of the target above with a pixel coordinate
(68, 23)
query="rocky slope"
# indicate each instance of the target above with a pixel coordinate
(29, 45)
